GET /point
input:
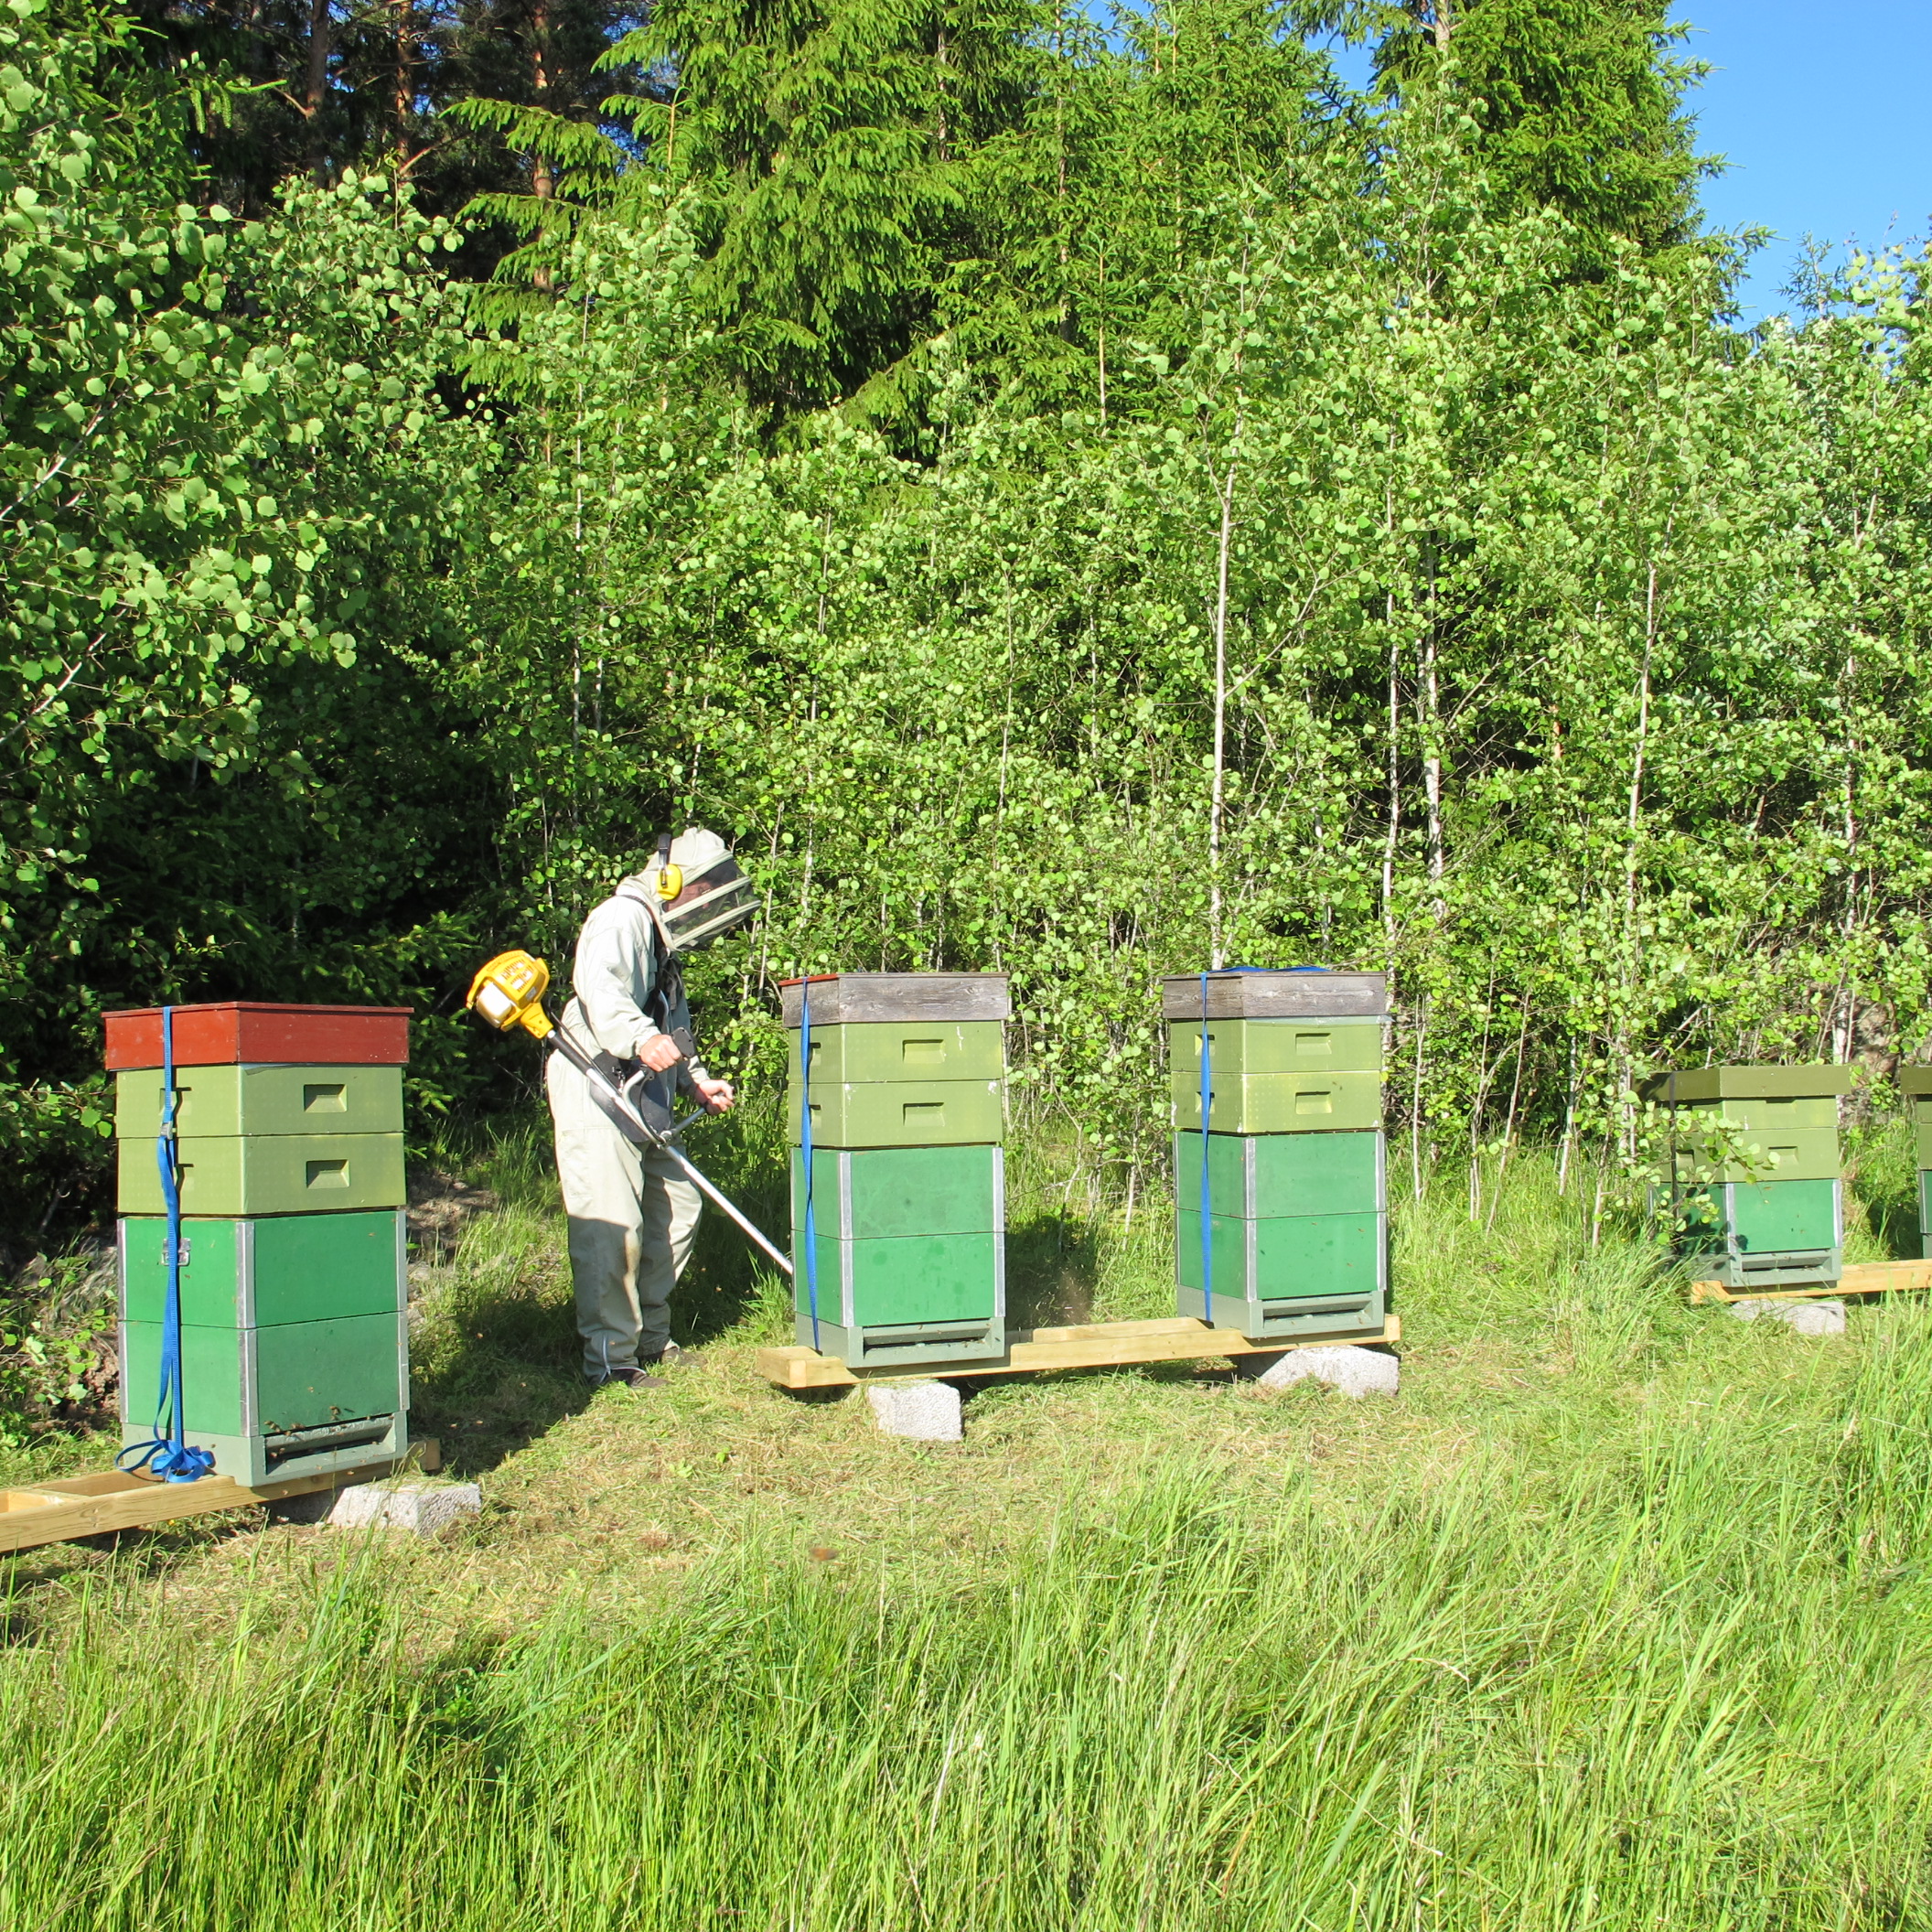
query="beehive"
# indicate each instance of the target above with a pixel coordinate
(1751, 1178)
(904, 1088)
(293, 1265)
(1295, 1173)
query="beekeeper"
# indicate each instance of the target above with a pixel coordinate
(632, 1214)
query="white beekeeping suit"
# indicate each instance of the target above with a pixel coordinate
(632, 1214)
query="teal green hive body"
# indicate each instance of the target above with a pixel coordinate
(262, 1273)
(910, 1254)
(1264, 1176)
(1765, 1234)
(299, 1399)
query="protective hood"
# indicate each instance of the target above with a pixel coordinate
(712, 896)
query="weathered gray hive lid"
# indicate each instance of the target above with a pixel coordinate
(1245, 993)
(839, 999)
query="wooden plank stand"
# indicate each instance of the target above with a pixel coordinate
(1096, 1345)
(1859, 1278)
(70, 1506)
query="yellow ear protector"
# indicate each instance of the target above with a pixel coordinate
(669, 880)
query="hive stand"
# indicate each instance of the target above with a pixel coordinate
(1096, 1345)
(59, 1511)
(1859, 1278)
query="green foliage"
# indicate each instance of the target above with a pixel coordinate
(57, 1348)
(1244, 536)
(822, 142)
(225, 476)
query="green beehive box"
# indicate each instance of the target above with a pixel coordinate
(904, 1299)
(1296, 1258)
(1281, 1102)
(887, 1193)
(1244, 1047)
(1299, 1275)
(902, 1114)
(222, 1101)
(1763, 1234)
(905, 1281)
(904, 1050)
(1801, 1153)
(1266, 1176)
(1766, 1217)
(242, 1175)
(299, 1399)
(1925, 1208)
(1793, 1112)
(263, 1273)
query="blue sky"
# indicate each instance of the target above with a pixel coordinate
(1822, 111)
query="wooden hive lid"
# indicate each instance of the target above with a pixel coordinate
(1745, 1083)
(226, 1033)
(1915, 1082)
(1249, 994)
(844, 999)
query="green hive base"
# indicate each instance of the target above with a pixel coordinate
(1764, 1234)
(911, 1253)
(297, 1399)
(1289, 1276)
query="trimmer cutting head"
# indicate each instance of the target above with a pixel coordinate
(508, 992)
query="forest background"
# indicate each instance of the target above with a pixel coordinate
(1086, 497)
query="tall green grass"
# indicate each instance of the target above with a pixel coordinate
(1668, 1673)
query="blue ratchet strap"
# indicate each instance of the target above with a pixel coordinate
(1206, 1226)
(811, 1221)
(166, 1453)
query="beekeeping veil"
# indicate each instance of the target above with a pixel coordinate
(700, 892)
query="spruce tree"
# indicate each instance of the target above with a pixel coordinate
(1579, 104)
(823, 140)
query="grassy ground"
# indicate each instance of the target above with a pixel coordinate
(1616, 1617)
